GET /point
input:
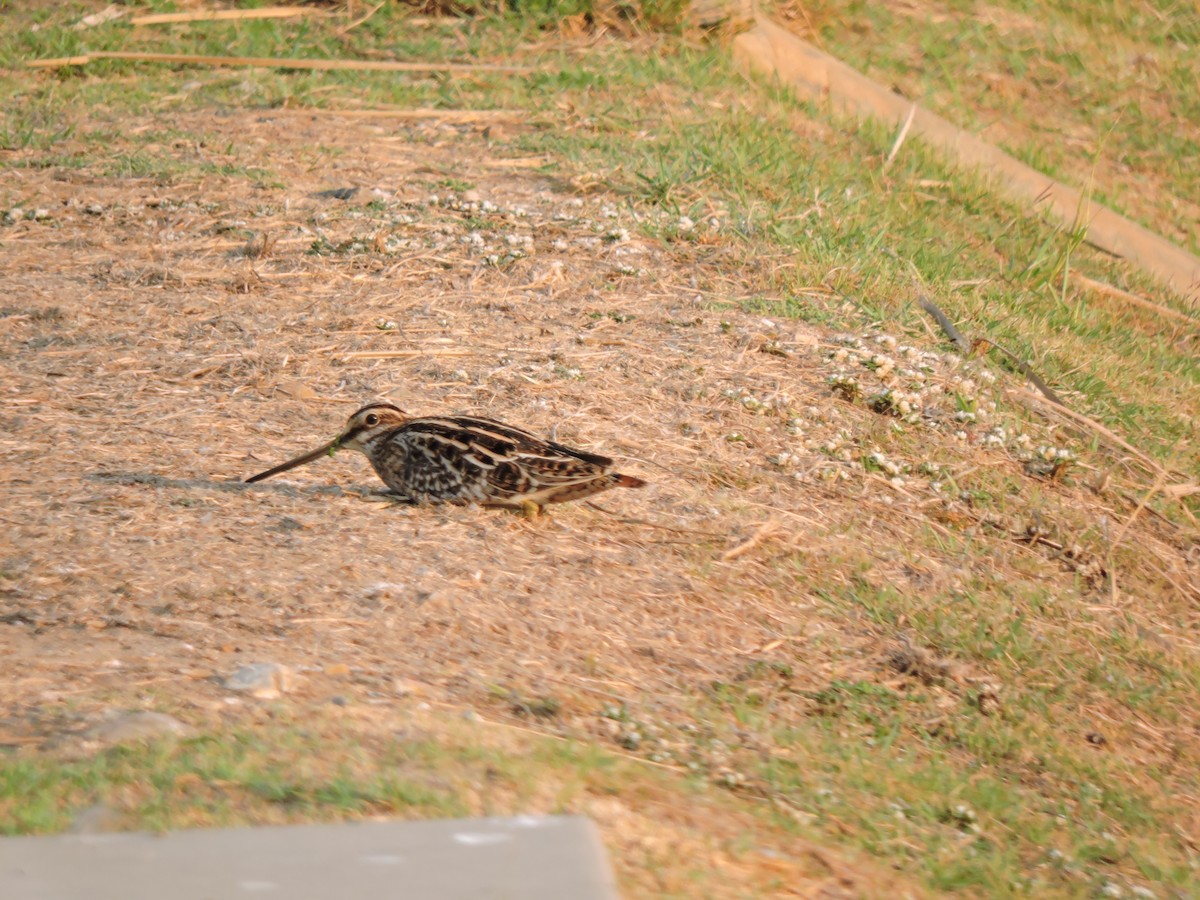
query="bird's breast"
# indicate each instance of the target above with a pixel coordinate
(388, 454)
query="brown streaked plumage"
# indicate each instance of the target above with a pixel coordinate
(464, 459)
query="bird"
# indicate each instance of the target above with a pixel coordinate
(467, 459)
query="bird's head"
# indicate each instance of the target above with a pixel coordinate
(361, 428)
(369, 422)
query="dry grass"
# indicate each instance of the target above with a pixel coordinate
(165, 336)
(172, 365)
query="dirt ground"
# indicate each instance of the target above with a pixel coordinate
(153, 364)
(162, 340)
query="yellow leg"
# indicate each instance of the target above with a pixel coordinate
(530, 510)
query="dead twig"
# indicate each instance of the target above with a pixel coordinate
(969, 348)
(221, 15)
(271, 62)
(1109, 290)
(912, 112)
(403, 354)
(454, 115)
(764, 531)
(947, 326)
(1023, 368)
(1158, 485)
(341, 32)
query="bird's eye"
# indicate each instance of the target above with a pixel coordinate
(371, 419)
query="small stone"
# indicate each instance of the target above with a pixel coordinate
(267, 681)
(140, 725)
(337, 670)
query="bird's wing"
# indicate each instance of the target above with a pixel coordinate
(479, 459)
(433, 467)
(526, 443)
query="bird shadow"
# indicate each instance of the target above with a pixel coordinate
(282, 488)
(149, 479)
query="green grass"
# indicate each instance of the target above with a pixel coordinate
(974, 826)
(317, 765)
(288, 770)
(889, 765)
(1031, 76)
(277, 774)
(999, 799)
(1006, 802)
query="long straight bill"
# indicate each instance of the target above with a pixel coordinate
(329, 448)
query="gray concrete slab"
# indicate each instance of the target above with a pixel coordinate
(528, 857)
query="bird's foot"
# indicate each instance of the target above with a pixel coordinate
(530, 510)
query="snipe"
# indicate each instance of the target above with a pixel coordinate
(463, 459)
